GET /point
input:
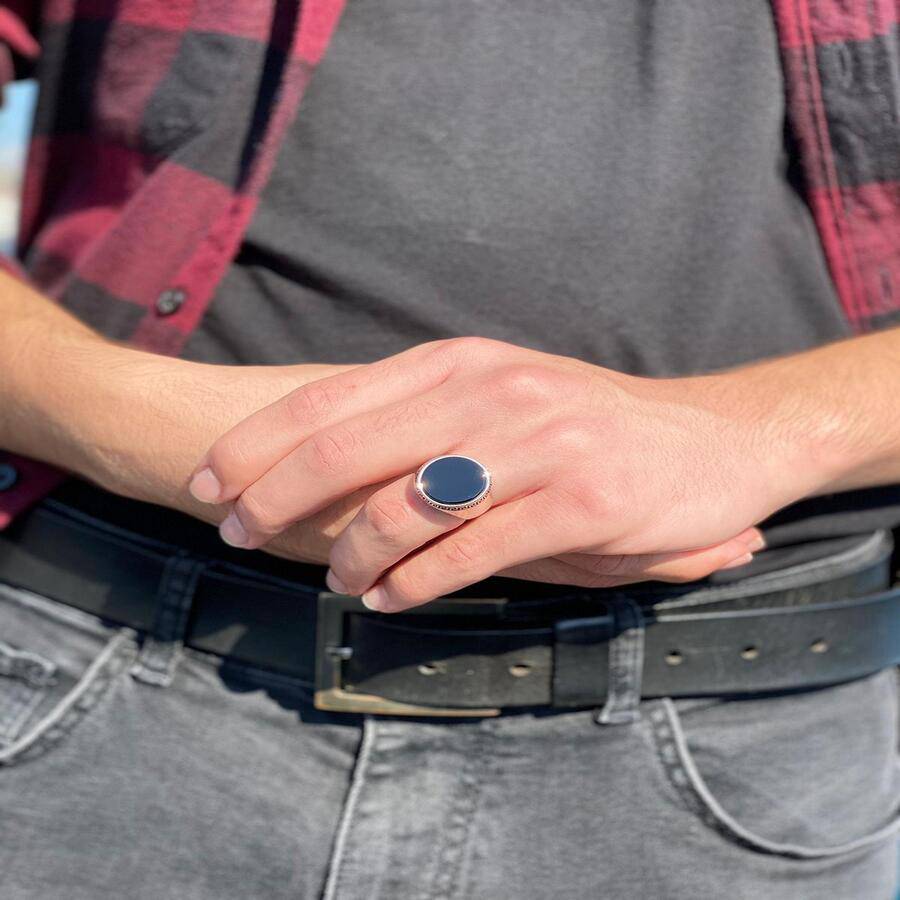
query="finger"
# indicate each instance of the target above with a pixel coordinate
(670, 565)
(252, 447)
(597, 571)
(374, 446)
(395, 521)
(504, 536)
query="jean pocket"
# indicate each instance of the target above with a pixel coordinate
(56, 663)
(805, 776)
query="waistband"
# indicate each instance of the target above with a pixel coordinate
(818, 623)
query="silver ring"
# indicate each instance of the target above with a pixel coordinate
(454, 483)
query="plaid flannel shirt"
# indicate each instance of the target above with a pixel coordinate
(136, 195)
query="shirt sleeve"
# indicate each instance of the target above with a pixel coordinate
(22, 481)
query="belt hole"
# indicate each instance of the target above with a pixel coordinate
(819, 646)
(431, 668)
(520, 670)
(750, 653)
(674, 658)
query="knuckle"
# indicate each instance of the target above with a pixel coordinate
(472, 344)
(406, 587)
(522, 383)
(471, 348)
(311, 402)
(388, 517)
(396, 415)
(461, 552)
(257, 516)
(570, 436)
(586, 501)
(229, 459)
(349, 568)
(329, 452)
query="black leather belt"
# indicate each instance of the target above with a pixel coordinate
(820, 623)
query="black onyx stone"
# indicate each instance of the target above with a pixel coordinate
(453, 479)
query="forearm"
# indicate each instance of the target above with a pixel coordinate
(39, 338)
(130, 421)
(832, 412)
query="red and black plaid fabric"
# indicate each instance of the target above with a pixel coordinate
(158, 124)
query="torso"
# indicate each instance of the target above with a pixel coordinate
(609, 183)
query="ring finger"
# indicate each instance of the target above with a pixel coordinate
(395, 521)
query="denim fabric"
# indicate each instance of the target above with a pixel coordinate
(209, 780)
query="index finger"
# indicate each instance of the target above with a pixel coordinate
(252, 447)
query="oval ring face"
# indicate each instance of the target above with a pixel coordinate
(453, 482)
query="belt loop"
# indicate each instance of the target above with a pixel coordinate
(626, 665)
(163, 644)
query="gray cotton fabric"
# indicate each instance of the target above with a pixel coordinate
(607, 181)
(222, 781)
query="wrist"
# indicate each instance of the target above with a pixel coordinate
(38, 376)
(75, 399)
(811, 438)
(133, 422)
(770, 446)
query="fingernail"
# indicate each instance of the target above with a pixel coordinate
(335, 583)
(740, 561)
(205, 487)
(376, 598)
(232, 532)
(756, 543)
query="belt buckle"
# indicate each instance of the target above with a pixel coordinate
(332, 652)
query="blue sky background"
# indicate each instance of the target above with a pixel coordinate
(15, 122)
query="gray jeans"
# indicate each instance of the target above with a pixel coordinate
(140, 769)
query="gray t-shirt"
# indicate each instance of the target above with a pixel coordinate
(611, 181)
(605, 180)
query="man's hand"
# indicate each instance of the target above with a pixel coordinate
(594, 471)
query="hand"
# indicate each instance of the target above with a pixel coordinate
(585, 461)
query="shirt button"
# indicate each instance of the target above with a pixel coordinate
(170, 301)
(8, 476)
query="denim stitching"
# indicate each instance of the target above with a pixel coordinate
(26, 666)
(626, 665)
(19, 702)
(162, 648)
(360, 770)
(682, 771)
(25, 677)
(459, 819)
(71, 709)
